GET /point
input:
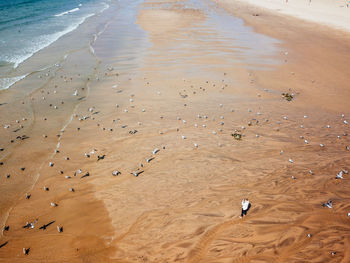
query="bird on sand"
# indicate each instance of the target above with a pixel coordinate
(116, 173)
(155, 151)
(339, 175)
(149, 159)
(85, 175)
(137, 173)
(101, 157)
(328, 204)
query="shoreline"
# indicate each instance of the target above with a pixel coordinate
(56, 36)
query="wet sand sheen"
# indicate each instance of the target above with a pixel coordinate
(169, 90)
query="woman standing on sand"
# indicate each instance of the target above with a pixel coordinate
(245, 207)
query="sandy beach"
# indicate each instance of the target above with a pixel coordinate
(154, 119)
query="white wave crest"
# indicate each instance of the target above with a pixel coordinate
(46, 40)
(106, 6)
(6, 83)
(68, 12)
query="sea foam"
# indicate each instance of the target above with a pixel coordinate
(6, 83)
(68, 12)
(44, 41)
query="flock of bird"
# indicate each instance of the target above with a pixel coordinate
(237, 134)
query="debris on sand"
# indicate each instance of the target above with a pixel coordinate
(237, 136)
(287, 96)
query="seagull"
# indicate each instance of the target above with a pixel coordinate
(75, 93)
(29, 224)
(116, 173)
(329, 204)
(85, 175)
(137, 173)
(71, 189)
(195, 145)
(339, 175)
(149, 159)
(53, 204)
(290, 160)
(101, 157)
(26, 251)
(46, 188)
(60, 229)
(155, 151)
(51, 164)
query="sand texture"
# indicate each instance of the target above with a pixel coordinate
(131, 147)
(330, 13)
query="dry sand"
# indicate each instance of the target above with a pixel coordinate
(194, 84)
(331, 13)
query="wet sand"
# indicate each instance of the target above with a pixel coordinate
(182, 77)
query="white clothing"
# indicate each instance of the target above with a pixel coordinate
(245, 204)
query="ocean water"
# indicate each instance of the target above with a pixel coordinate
(27, 26)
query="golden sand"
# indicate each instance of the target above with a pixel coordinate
(187, 101)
